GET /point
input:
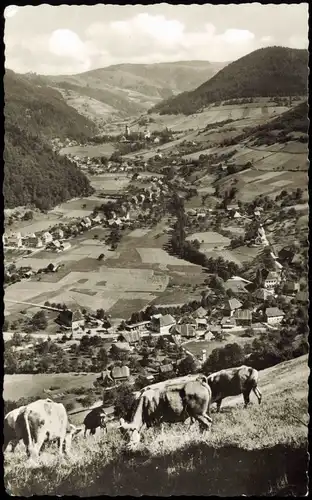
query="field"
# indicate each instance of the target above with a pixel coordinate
(26, 386)
(159, 256)
(110, 183)
(263, 451)
(209, 240)
(91, 151)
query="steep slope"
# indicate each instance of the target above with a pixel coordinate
(33, 173)
(42, 110)
(129, 89)
(272, 71)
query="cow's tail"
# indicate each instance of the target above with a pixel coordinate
(253, 379)
(28, 433)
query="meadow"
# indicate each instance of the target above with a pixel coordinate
(261, 450)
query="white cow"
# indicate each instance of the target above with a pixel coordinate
(42, 421)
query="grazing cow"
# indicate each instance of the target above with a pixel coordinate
(170, 401)
(96, 418)
(10, 430)
(232, 382)
(45, 420)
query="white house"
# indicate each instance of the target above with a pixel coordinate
(271, 280)
(15, 240)
(47, 237)
(274, 315)
(59, 234)
(162, 324)
(65, 246)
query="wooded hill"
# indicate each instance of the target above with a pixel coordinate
(33, 173)
(268, 72)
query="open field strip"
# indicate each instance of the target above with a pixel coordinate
(281, 183)
(26, 385)
(34, 227)
(266, 176)
(159, 256)
(225, 254)
(210, 237)
(92, 151)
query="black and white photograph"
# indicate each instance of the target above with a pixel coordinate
(155, 250)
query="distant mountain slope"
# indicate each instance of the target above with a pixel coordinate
(272, 71)
(33, 173)
(130, 88)
(42, 110)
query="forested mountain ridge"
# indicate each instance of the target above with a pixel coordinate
(272, 71)
(33, 173)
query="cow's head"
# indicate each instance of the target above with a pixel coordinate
(73, 430)
(103, 419)
(131, 432)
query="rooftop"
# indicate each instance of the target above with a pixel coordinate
(273, 312)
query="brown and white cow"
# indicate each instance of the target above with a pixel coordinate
(11, 433)
(170, 401)
(42, 421)
(232, 382)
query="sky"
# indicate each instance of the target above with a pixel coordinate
(72, 39)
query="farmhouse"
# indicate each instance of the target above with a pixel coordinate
(236, 285)
(231, 306)
(47, 237)
(71, 319)
(65, 246)
(58, 234)
(132, 337)
(140, 327)
(200, 313)
(14, 240)
(274, 315)
(201, 323)
(208, 336)
(120, 373)
(272, 279)
(291, 287)
(162, 324)
(243, 317)
(263, 294)
(34, 242)
(228, 323)
(166, 368)
(302, 297)
(186, 330)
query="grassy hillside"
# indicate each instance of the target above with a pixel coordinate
(262, 450)
(131, 88)
(272, 71)
(33, 173)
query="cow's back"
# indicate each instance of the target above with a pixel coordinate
(230, 382)
(47, 415)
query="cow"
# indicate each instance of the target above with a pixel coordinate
(10, 431)
(169, 401)
(42, 421)
(232, 382)
(96, 418)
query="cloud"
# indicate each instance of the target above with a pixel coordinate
(147, 38)
(142, 38)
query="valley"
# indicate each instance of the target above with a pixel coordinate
(162, 235)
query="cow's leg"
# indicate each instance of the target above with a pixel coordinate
(204, 421)
(85, 432)
(258, 394)
(246, 395)
(219, 402)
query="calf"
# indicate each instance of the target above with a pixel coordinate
(96, 418)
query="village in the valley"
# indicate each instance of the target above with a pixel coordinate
(70, 276)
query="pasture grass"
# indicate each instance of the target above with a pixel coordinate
(261, 450)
